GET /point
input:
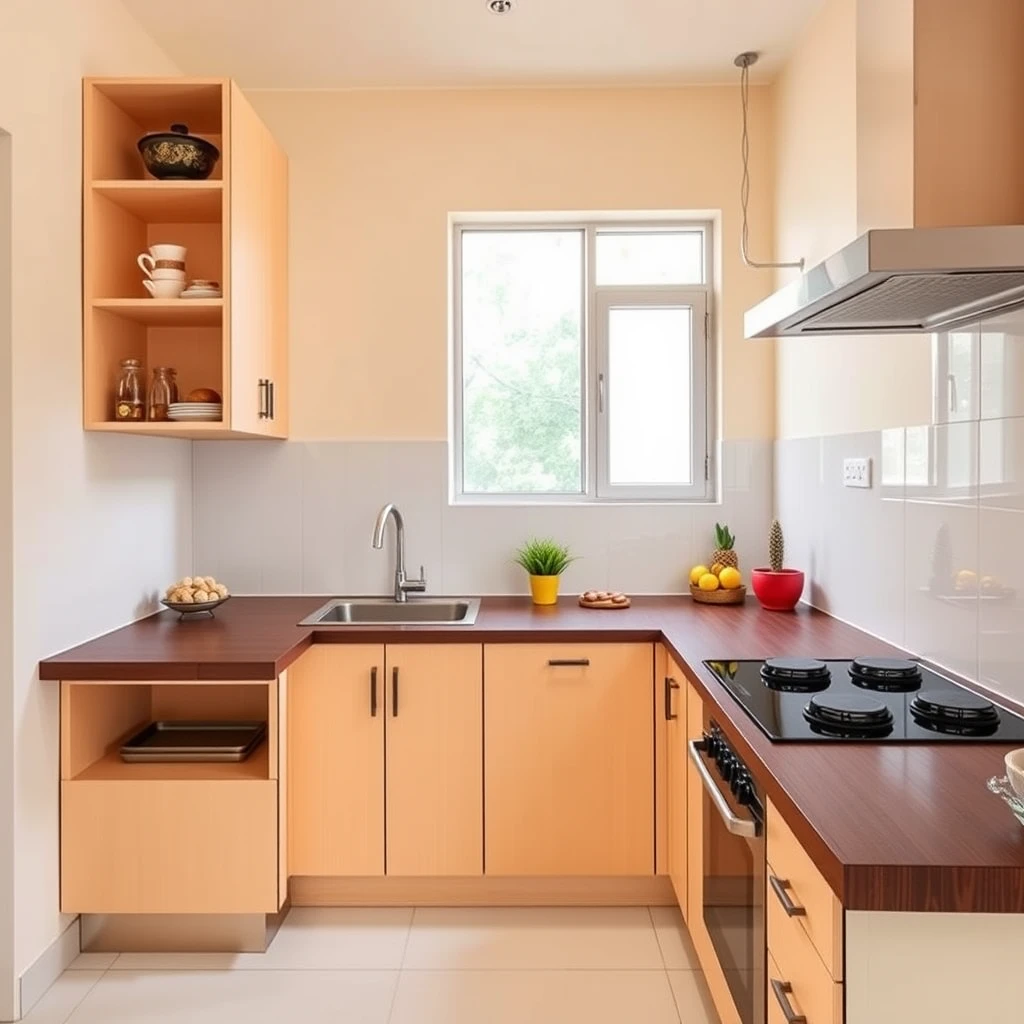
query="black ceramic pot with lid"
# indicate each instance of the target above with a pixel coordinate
(178, 155)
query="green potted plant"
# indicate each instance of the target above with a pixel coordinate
(545, 560)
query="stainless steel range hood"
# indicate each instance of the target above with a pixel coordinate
(900, 280)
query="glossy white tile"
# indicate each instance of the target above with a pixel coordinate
(677, 950)
(61, 999)
(1002, 367)
(238, 997)
(546, 938)
(540, 997)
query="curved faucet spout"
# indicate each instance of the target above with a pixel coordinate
(402, 584)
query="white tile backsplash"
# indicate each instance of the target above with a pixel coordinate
(297, 517)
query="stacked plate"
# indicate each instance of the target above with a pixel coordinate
(195, 412)
(201, 288)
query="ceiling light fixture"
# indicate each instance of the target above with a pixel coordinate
(500, 6)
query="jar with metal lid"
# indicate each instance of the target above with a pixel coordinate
(163, 393)
(130, 401)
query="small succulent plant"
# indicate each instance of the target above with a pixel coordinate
(544, 557)
(776, 546)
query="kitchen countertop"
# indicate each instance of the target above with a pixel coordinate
(892, 827)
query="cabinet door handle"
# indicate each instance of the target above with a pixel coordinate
(568, 662)
(394, 692)
(670, 685)
(781, 886)
(264, 407)
(373, 692)
(782, 989)
(272, 402)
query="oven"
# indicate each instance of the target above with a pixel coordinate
(728, 918)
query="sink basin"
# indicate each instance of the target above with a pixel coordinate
(382, 611)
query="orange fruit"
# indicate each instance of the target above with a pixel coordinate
(730, 578)
(709, 581)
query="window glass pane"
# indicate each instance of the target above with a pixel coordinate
(650, 257)
(648, 396)
(521, 361)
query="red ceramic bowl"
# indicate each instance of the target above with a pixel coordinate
(777, 591)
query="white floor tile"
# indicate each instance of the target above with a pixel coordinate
(539, 997)
(253, 997)
(674, 940)
(62, 997)
(92, 961)
(547, 938)
(693, 1000)
(311, 938)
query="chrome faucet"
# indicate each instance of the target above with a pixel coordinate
(402, 585)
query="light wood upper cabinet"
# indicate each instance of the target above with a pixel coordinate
(569, 759)
(675, 688)
(434, 726)
(336, 761)
(234, 226)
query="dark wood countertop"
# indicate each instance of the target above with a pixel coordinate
(892, 827)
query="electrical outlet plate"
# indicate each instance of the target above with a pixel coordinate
(856, 472)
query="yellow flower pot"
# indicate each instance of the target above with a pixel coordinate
(544, 589)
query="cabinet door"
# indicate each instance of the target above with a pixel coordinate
(336, 761)
(569, 759)
(255, 267)
(434, 729)
(675, 711)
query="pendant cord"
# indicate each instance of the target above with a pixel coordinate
(744, 61)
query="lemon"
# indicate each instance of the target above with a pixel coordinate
(709, 581)
(716, 569)
(696, 572)
(730, 578)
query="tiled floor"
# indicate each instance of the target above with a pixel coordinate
(429, 966)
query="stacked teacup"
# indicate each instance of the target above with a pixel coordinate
(164, 267)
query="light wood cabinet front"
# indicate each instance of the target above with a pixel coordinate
(434, 759)
(569, 759)
(168, 846)
(336, 761)
(675, 712)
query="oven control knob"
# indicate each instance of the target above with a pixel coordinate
(736, 782)
(711, 745)
(745, 792)
(727, 767)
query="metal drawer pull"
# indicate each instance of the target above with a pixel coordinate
(670, 685)
(782, 989)
(394, 692)
(568, 662)
(373, 692)
(781, 887)
(736, 825)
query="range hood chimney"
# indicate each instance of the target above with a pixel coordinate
(899, 281)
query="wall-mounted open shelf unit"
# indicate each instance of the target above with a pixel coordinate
(234, 227)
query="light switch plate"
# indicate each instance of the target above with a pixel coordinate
(856, 472)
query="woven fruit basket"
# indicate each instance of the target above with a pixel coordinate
(720, 596)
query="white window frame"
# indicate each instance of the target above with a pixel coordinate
(596, 301)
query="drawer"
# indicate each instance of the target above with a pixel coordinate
(792, 876)
(169, 846)
(794, 961)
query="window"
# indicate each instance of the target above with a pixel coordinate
(580, 362)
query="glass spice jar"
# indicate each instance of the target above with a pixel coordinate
(163, 392)
(130, 403)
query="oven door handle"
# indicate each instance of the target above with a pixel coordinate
(736, 825)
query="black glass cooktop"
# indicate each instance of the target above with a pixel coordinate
(868, 699)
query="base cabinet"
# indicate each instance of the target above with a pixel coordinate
(569, 759)
(385, 760)
(674, 694)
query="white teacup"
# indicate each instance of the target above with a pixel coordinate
(163, 257)
(165, 289)
(166, 274)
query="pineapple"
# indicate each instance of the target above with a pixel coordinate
(724, 554)
(776, 546)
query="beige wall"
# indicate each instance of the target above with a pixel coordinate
(844, 162)
(99, 523)
(375, 175)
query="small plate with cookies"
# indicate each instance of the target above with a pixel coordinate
(195, 594)
(603, 599)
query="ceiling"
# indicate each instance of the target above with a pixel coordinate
(338, 44)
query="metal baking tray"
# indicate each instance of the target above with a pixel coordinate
(194, 741)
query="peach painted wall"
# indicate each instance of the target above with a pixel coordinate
(375, 175)
(843, 116)
(99, 523)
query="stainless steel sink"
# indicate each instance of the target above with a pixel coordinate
(382, 611)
